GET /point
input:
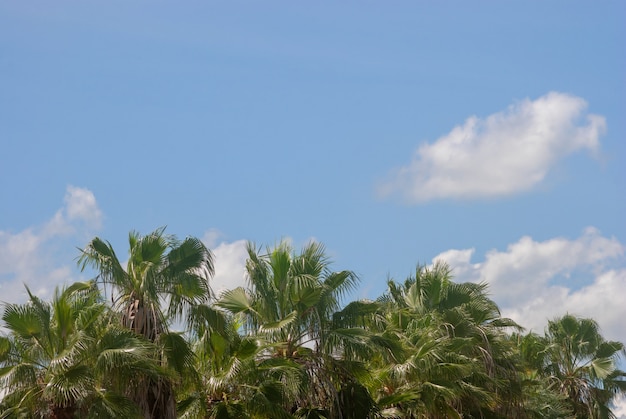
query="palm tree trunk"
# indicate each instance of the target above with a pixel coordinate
(154, 396)
(142, 320)
(63, 412)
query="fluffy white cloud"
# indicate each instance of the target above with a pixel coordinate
(31, 256)
(80, 204)
(536, 281)
(230, 262)
(503, 154)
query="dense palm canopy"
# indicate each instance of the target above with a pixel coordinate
(289, 309)
(457, 360)
(67, 358)
(577, 362)
(288, 345)
(164, 278)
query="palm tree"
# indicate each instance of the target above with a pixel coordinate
(289, 308)
(163, 279)
(65, 358)
(229, 383)
(457, 357)
(582, 365)
(232, 382)
(540, 399)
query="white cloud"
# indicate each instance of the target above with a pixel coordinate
(81, 204)
(535, 281)
(505, 153)
(230, 262)
(602, 299)
(32, 256)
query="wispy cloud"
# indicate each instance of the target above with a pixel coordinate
(503, 154)
(31, 256)
(536, 281)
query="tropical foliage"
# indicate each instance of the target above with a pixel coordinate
(288, 345)
(69, 358)
(163, 279)
(578, 363)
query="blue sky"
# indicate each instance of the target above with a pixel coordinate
(489, 134)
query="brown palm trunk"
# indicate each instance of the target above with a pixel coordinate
(142, 320)
(63, 412)
(154, 397)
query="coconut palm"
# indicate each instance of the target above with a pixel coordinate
(582, 365)
(163, 279)
(65, 359)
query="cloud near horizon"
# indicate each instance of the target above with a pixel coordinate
(503, 154)
(31, 256)
(534, 281)
(531, 280)
(230, 262)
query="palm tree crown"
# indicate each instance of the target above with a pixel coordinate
(582, 365)
(66, 358)
(163, 279)
(160, 271)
